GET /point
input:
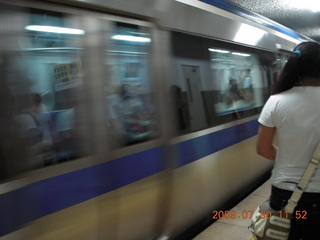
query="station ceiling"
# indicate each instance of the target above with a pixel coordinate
(293, 14)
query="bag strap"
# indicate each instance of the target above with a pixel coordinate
(296, 195)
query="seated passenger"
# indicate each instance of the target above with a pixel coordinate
(247, 86)
(34, 127)
(34, 120)
(133, 114)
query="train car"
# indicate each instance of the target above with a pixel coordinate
(130, 119)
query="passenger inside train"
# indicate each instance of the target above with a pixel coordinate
(130, 115)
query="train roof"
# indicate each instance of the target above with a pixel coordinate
(219, 19)
(254, 17)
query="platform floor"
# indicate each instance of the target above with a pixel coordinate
(237, 229)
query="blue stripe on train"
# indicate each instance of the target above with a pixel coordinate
(253, 17)
(200, 147)
(54, 194)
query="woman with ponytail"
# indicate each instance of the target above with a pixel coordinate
(293, 114)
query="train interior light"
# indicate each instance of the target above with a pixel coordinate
(218, 50)
(52, 29)
(131, 38)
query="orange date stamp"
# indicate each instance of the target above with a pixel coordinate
(232, 214)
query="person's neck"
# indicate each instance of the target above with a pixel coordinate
(310, 82)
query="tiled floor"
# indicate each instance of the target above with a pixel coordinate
(237, 228)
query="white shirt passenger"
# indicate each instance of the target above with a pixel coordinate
(296, 115)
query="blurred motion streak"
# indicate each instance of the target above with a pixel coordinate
(124, 120)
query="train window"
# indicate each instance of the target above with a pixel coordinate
(217, 82)
(237, 81)
(129, 85)
(44, 77)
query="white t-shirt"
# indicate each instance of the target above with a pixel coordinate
(296, 115)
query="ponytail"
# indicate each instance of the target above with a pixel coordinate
(304, 62)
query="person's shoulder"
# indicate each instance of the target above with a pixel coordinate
(276, 97)
(291, 91)
(273, 100)
(298, 91)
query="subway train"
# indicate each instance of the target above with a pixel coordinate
(130, 120)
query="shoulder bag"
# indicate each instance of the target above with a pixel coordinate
(270, 224)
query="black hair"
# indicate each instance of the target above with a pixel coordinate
(304, 62)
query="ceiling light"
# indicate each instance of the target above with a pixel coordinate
(313, 5)
(51, 29)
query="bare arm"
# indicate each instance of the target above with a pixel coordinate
(265, 146)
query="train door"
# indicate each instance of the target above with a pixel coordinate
(130, 59)
(191, 76)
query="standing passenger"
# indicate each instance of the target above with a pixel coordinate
(293, 113)
(179, 106)
(247, 85)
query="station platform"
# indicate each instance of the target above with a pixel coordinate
(237, 228)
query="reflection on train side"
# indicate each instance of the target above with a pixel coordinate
(237, 79)
(217, 82)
